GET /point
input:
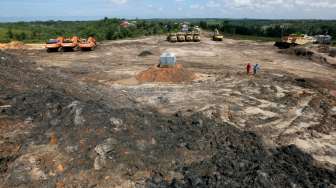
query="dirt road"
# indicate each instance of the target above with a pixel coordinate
(82, 119)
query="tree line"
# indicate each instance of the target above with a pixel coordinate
(105, 29)
(110, 28)
(271, 28)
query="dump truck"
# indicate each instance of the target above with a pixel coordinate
(88, 44)
(53, 45)
(172, 37)
(70, 44)
(217, 36)
(181, 37)
(294, 40)
(189, 37)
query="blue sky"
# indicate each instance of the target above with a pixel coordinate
(15, 10)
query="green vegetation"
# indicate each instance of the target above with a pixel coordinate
(106, 29)
(271, 28)
(110, 29)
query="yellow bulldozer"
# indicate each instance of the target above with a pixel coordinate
(172, 37)
(293, 40)
(181, 36)
(189, 36)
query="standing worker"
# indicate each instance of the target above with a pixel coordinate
(248, 68)
(256, 68)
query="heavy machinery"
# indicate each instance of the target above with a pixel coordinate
(197, 37)
(217, 36)
(69, 44)
(189, 37)
(294, 40)
(181, 37)
(53, 45)
(88, 44)
(197, 34)
(172, 37)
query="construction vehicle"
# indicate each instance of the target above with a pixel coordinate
(172, 37)
(197, 37)
(88, 44)
(294, 40)
(70, 44)
(53, 45)
(197, 34)
(217, 36)
(181, 37)
(189, 37)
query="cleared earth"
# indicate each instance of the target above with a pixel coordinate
(83, 119)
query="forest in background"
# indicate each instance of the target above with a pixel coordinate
(110, 29)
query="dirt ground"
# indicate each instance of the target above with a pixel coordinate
(82, 119)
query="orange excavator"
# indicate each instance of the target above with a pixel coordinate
(69, 44)
(53, 45)
(88, 45)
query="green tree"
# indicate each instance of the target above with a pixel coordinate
(9, 34)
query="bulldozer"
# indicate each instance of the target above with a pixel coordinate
(70, 44)
(88, 44)
(189, 37)
(217, 36)
(172, 37)
(53, 45)
(197, 37)
(293, 40)
(181, 37)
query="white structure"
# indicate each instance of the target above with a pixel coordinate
(167, 60)
(323, 39)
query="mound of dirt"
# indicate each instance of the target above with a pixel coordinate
(332, 52)
(145, 53)
(175, 74)
(12, 45)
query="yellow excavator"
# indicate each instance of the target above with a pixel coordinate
(217, 36)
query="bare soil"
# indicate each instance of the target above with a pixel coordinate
(82, 119)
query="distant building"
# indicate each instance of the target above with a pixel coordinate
(124, 24)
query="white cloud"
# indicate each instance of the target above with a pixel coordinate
(119, 2)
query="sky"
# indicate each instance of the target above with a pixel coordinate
(28, 10)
